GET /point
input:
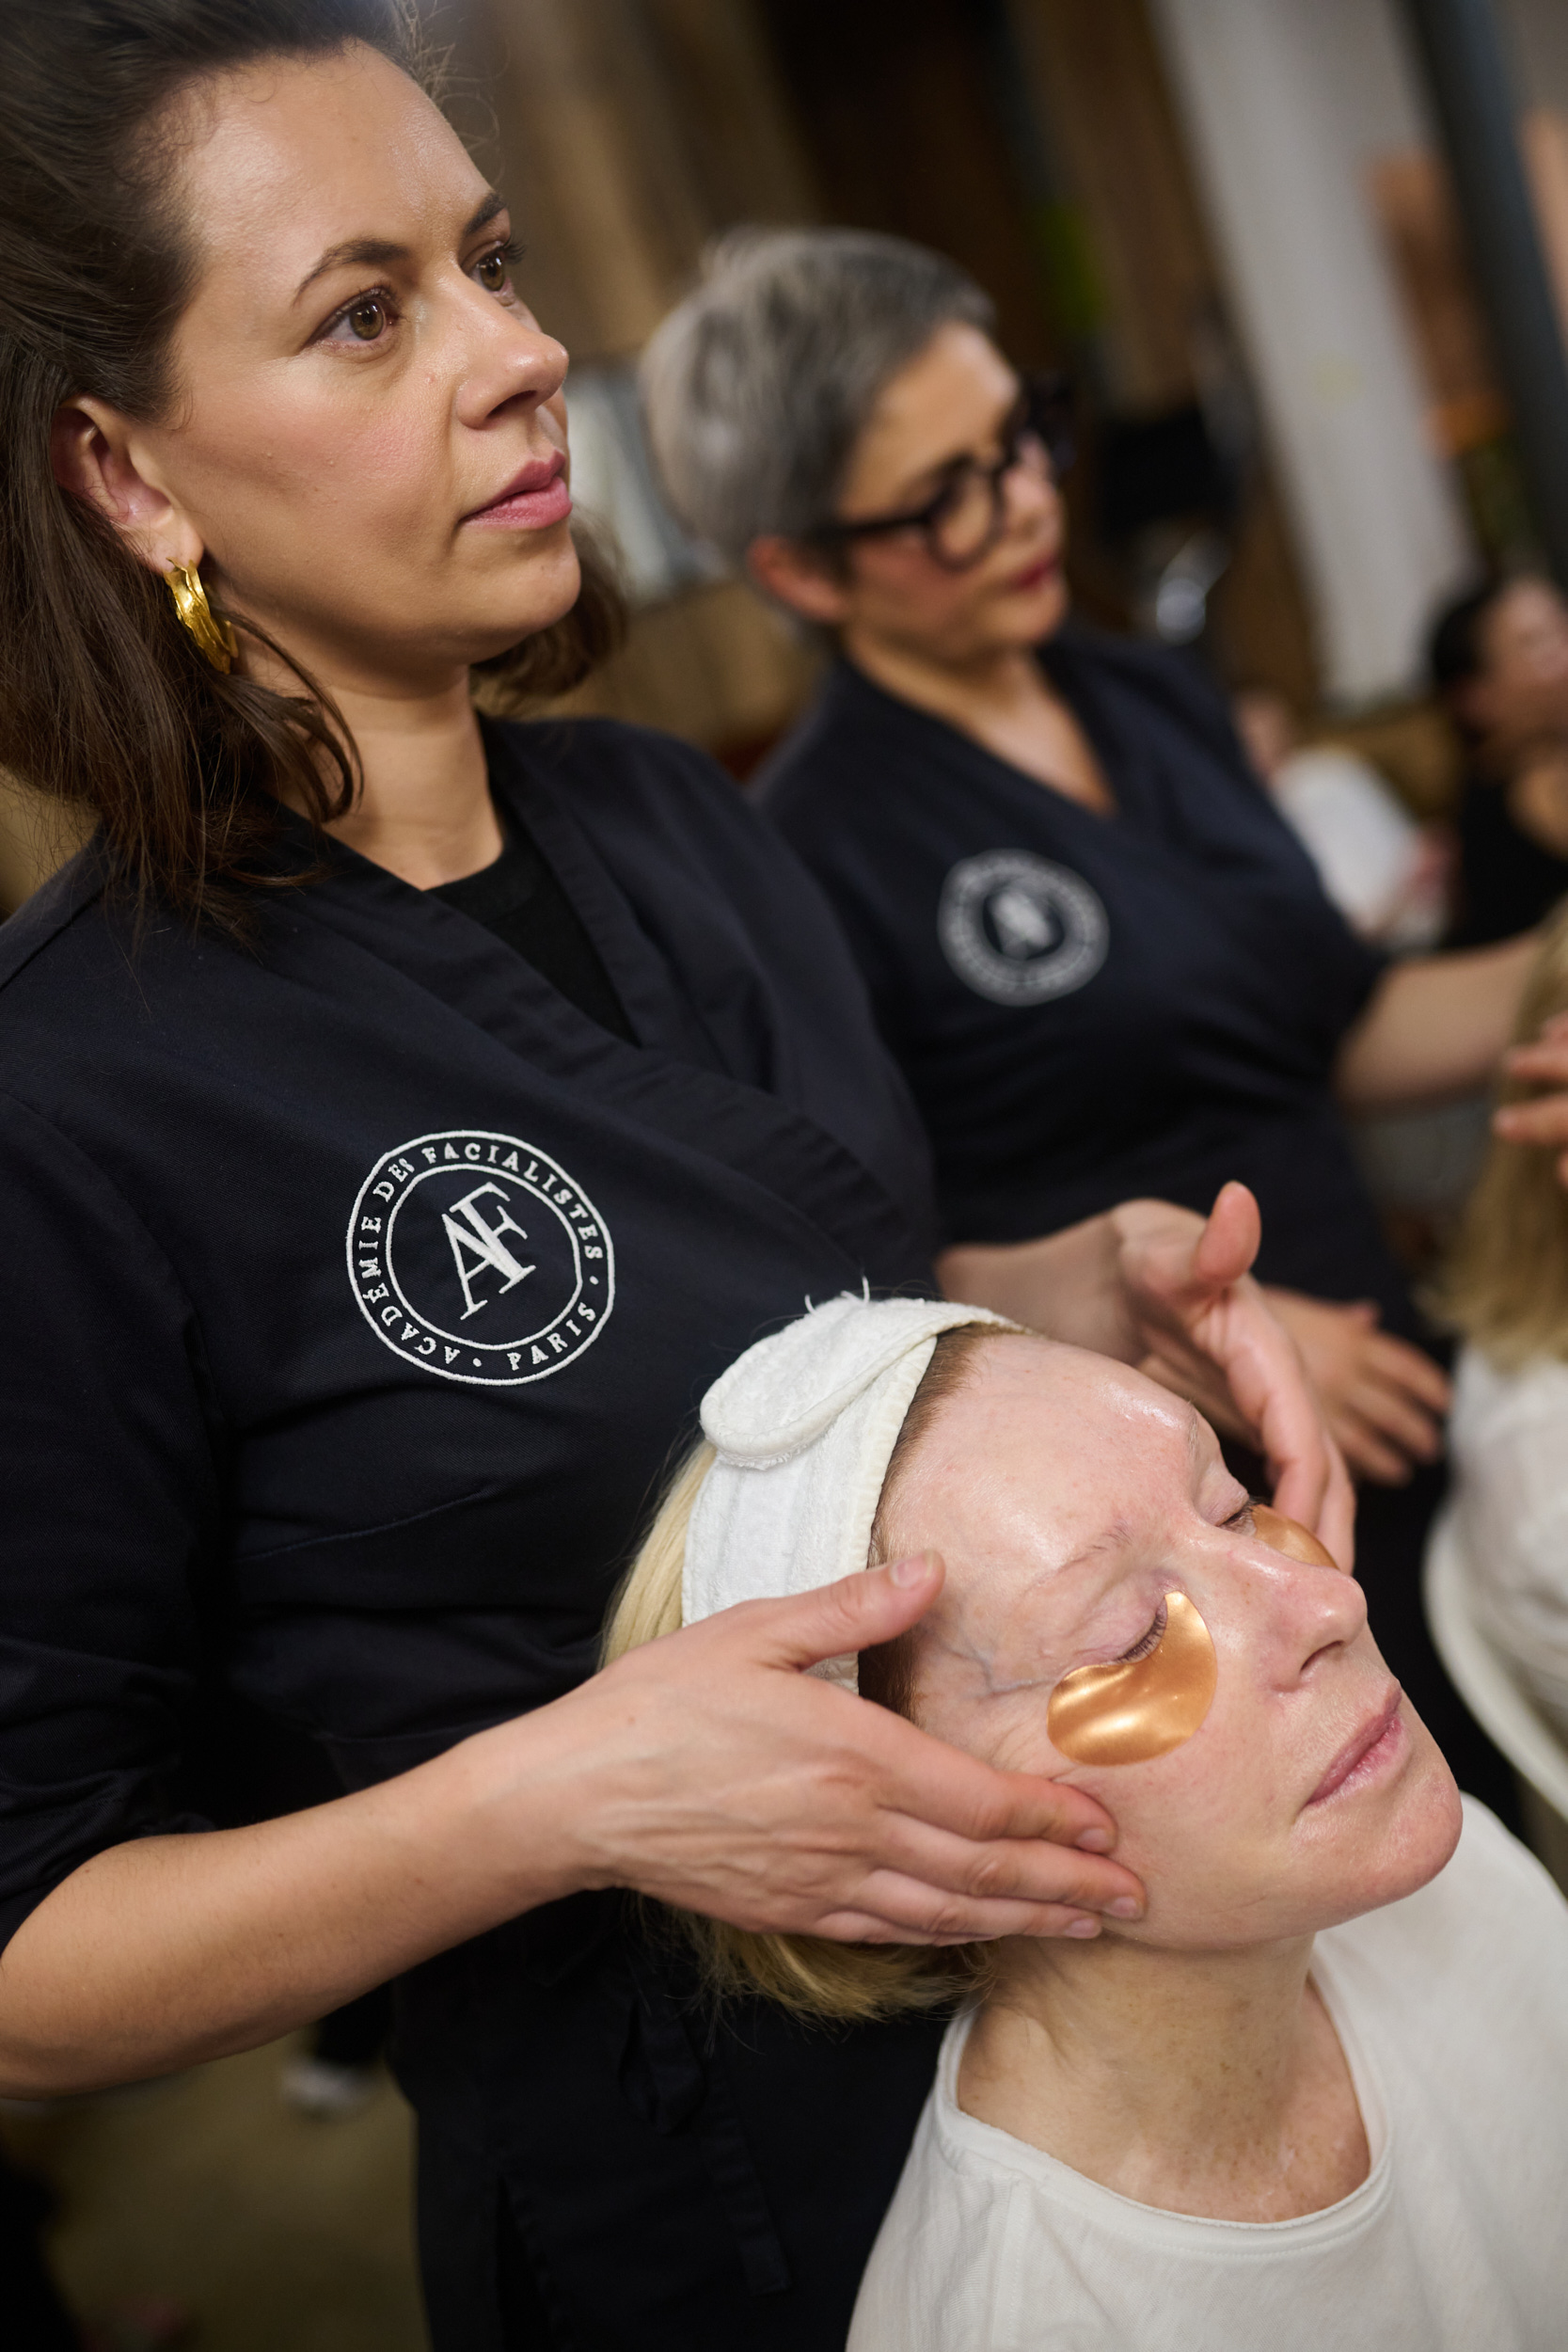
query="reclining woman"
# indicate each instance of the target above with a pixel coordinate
(1207, 2128)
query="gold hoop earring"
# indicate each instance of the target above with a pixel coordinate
(214, 638)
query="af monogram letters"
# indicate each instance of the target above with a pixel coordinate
(476, 1257)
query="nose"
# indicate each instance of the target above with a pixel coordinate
(1029, 486)
(505, 356)
(1327, 1610)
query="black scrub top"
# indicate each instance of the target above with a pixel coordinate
(1508, 881)
(1090, 1008)
(360, 1290)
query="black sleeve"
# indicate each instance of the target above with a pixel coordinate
(111, 1504)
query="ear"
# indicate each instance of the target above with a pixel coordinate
(797, 576)
(92, 448)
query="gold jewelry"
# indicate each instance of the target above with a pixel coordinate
(214, 638)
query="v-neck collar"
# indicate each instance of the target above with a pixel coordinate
(476, 974)
(674, 1081)
(1128, 768)
(637, 971)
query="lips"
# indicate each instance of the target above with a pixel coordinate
(1043, 569)
(535, 497)
(1358, 1753)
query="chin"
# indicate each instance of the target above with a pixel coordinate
(508, 611)
(1034, 613)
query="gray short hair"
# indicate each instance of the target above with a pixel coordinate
(756, 387)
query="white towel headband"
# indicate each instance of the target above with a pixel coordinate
(804, 1426)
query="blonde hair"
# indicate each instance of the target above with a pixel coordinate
(809, 1973)
(1506, 1282)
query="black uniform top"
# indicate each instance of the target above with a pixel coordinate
(1090, 1008)
(1508, 881)
(518, 897)
(359, 1290)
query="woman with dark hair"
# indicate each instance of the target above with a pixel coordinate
(1499, 661)
(1103, 960)
(402, 1120)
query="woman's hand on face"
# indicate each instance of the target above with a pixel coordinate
(1543, 1122)
(1384, 1400)
(1206, 1332)
(716, 1774)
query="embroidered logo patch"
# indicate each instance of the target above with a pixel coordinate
(1016, 928)
(475, 1257)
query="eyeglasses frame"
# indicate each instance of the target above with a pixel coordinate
(1044, 410)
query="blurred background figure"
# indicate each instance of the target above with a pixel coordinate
(1500, 662)
(1506, 1289)
(1387, 875)
(1392, 878)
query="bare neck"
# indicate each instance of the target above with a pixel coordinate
(953, 690)
(1003, 701)
(1201, 2082)
(425, 811)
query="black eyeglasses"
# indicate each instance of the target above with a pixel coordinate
(965, 517)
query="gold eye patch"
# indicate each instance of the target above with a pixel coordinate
(1136, 1709)
(1288, 1537)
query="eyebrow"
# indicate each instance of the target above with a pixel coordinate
(379, 252)
(930, 476)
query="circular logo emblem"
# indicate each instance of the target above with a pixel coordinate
(1018, 930)
(474, 1256)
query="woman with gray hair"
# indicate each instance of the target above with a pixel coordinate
(1106, 968)
(758, 388)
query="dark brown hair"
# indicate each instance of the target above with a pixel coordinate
(104, 701)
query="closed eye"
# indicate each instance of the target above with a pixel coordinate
(1150, 1640)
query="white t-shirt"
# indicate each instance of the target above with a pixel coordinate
(1453, 2011)
(1509, 1439)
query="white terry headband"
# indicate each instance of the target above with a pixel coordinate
(804, 1426)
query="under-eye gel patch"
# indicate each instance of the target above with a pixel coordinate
(1288, 1537)
(1134, 1710)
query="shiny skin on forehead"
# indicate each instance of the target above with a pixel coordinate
(1056, 1487)
(287, 158)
